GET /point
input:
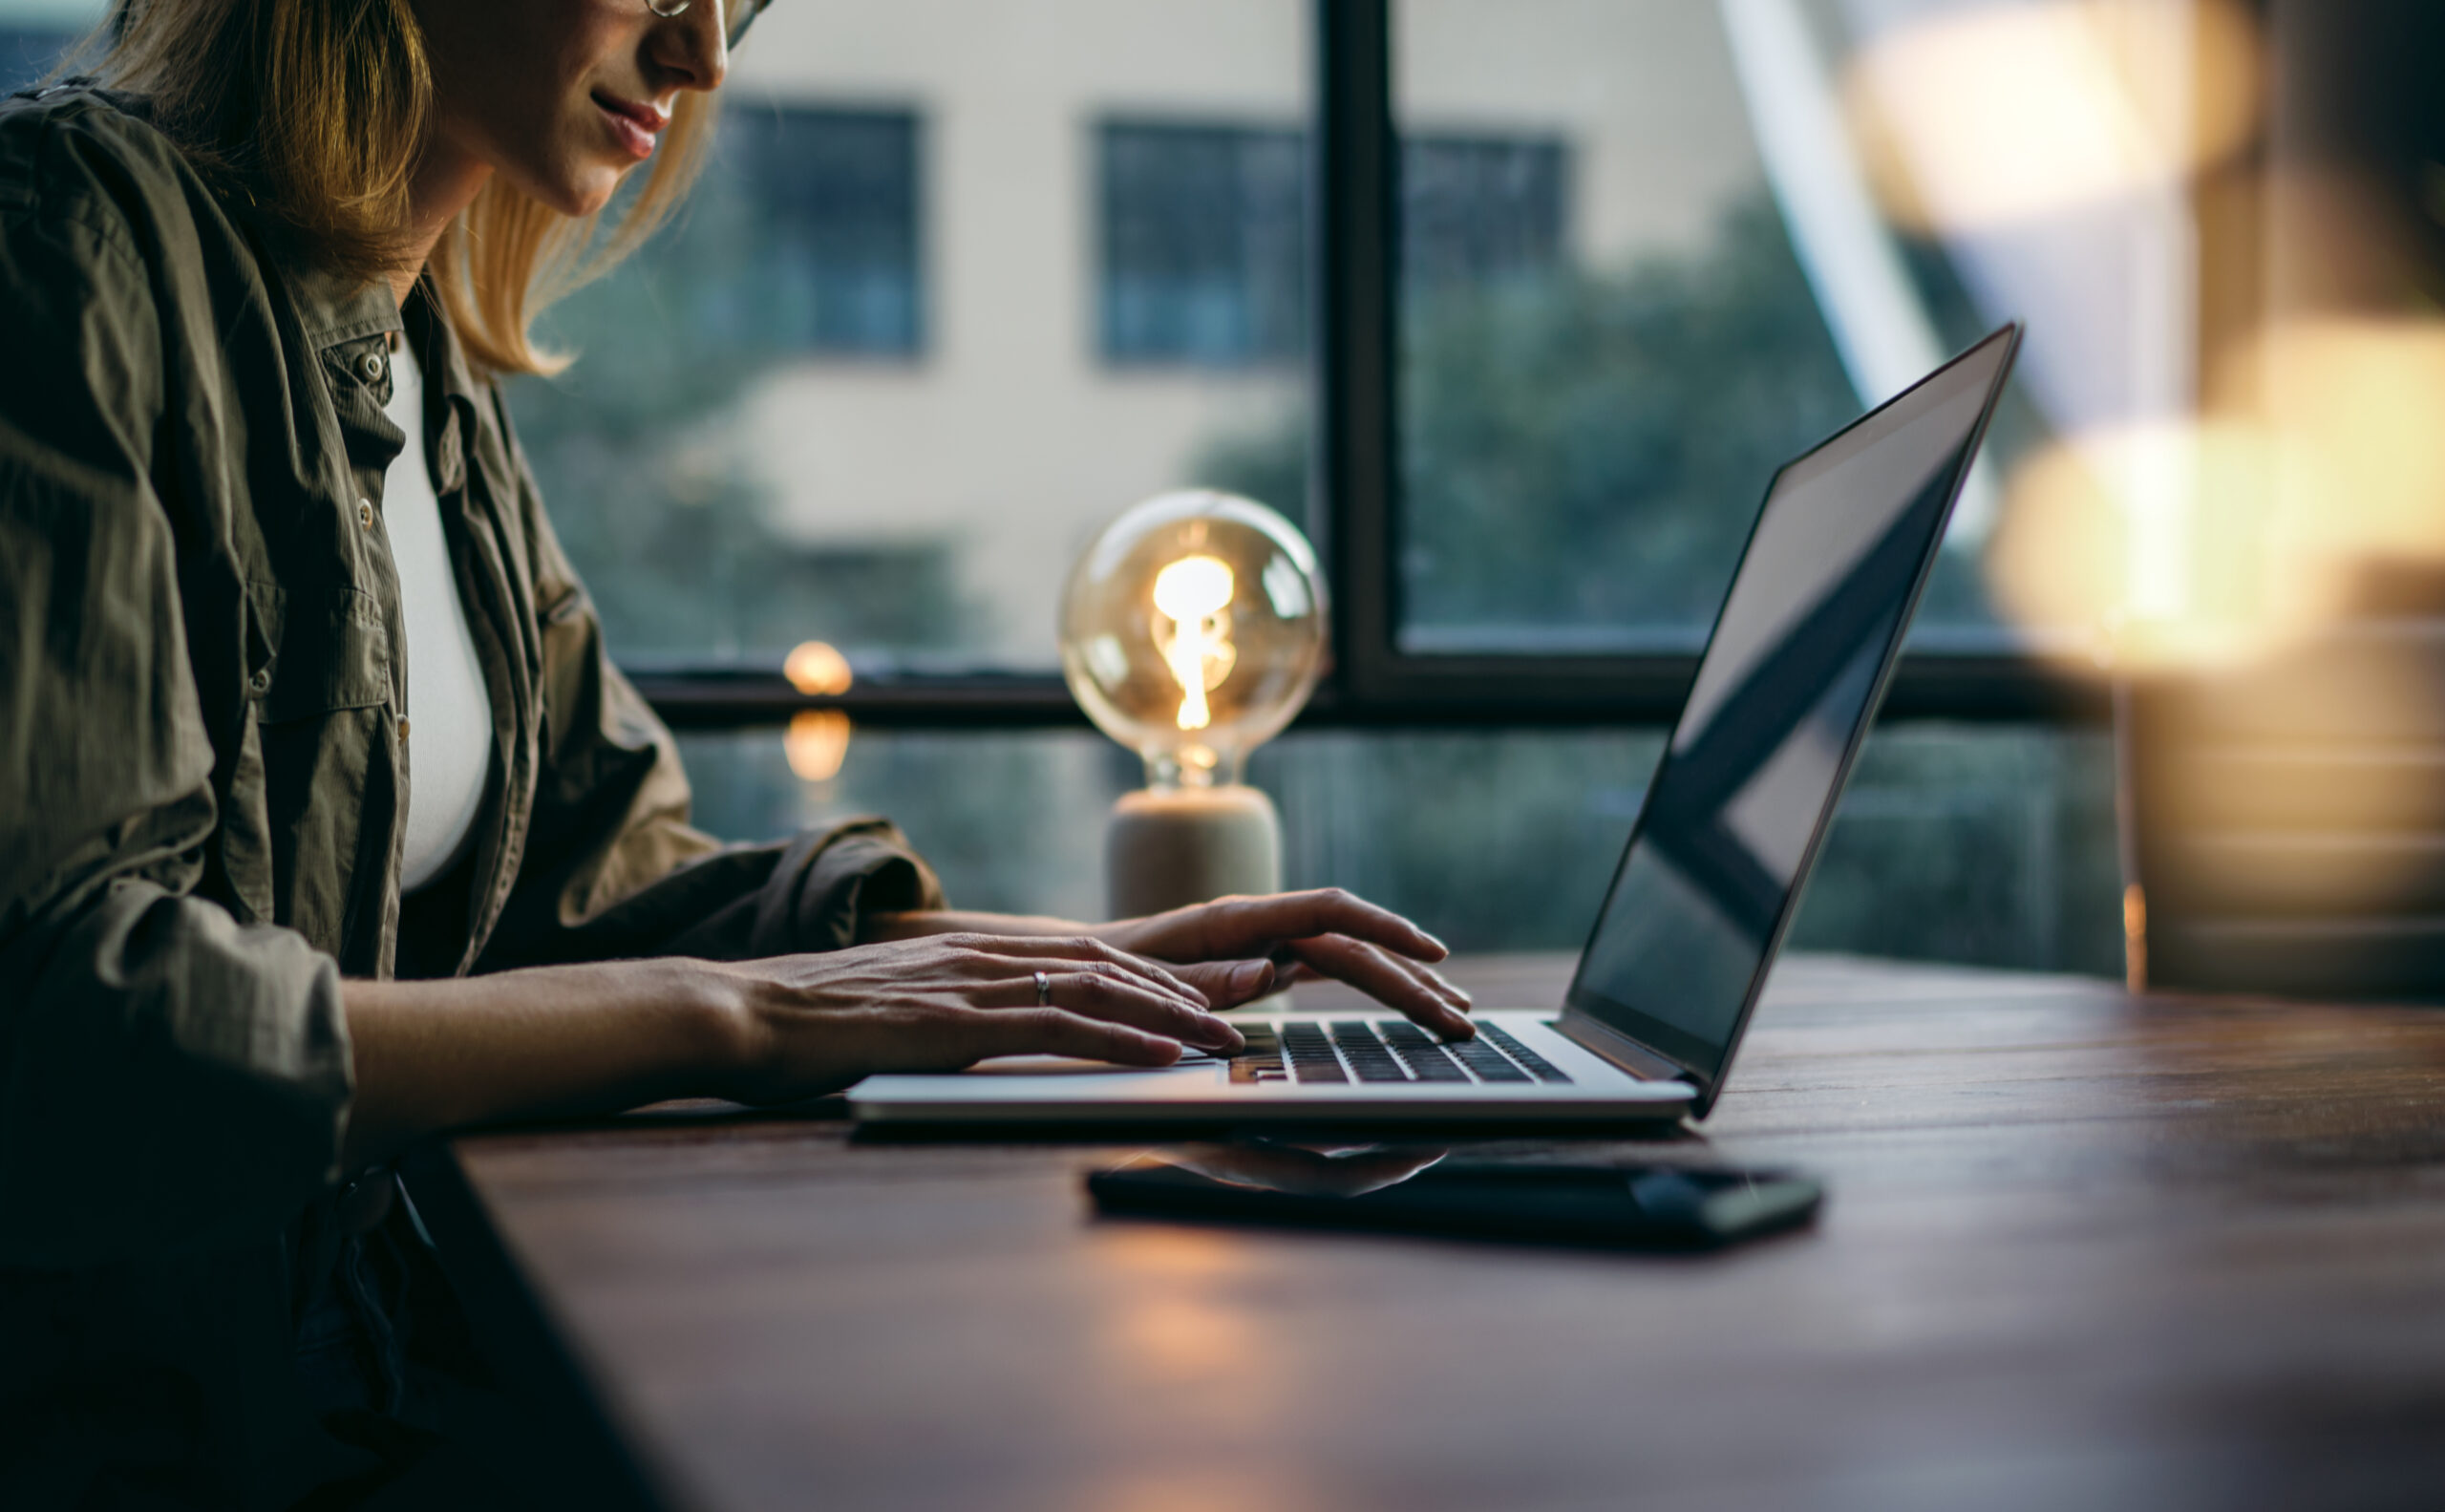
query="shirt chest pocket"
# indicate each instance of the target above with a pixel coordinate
(315, 798)
(330, 651)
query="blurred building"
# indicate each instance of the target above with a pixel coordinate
(1061, 245)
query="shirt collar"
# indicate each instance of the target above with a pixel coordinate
(443, 362)
(333, 309)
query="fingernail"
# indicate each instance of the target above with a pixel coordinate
(1221, 1035)
(1247, 976)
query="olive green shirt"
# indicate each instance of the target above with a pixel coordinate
(202, 717)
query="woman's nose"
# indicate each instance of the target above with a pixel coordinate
(690, 47)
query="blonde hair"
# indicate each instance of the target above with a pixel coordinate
(315, 110)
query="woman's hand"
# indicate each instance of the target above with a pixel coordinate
(810, 1024)
(1325, 933)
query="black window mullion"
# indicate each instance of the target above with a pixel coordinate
(1354, 179)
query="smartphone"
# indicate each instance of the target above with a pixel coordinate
(1671, 1208)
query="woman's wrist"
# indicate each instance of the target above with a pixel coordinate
(706, 1015)
(726, 1011)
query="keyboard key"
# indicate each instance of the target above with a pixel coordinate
(1431, 1063)
(1366, 1053)
(1539, 1066)
(1485, 1061)
(1311, 1056)
(1415, 1051)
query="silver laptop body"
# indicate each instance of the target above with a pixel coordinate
(1709, 880)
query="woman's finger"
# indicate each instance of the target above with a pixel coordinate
(981, 1035)
(1229, 984)
(1288, 970)
(1397, 984)
(1074, 949)
(1238, 925)
(1382, 960)
(1102, 991)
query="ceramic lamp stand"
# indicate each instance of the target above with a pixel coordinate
(1168, 847)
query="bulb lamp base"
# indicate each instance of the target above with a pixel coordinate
(1169, 847)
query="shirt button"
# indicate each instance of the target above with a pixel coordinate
(364, 513)
(261, 682)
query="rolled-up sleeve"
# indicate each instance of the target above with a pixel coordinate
(168, 1077)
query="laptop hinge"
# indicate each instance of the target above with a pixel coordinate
(1602, 1039)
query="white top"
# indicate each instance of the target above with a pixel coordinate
(449, 716)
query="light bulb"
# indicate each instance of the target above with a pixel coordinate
(1192, 630)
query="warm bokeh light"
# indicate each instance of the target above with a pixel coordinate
(816, 744)
(1985, 115)
(814, 666)
(2151, 538)
(2360, 406)
(2205, 542)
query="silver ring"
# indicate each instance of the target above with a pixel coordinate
(1043, 989)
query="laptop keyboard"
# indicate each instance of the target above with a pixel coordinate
(1363, 1050)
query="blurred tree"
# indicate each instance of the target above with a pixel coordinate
(1582, 452)
(638, 452)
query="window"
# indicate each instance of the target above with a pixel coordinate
(1994, 844)
(1204, 233)
(1480, 210)
(1092, 271)
(1204, 244)
(1590, 404)
(839, 257)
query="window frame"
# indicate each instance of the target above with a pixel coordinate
(1355, 504)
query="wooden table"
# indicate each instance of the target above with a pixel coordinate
(2081, 1250)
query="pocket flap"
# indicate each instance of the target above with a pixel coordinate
(334, 653)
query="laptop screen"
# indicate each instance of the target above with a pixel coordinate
(1813, 618)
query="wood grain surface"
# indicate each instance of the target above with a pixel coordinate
(2079, 1249)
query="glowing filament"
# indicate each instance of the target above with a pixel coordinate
(1193, 596)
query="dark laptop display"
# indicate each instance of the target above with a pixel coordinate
(1788, 685)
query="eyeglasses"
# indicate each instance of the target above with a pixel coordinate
(737, 15)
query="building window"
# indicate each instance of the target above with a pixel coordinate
(835, 197)
(1481, 209)
(1204, 232)
(1203, 242)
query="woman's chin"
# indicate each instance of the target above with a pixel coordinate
(581, 200)
(576, 190)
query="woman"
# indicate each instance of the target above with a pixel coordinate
(267, 550)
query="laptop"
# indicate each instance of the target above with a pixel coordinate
(1707, 881)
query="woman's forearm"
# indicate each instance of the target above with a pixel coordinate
(554, 1041)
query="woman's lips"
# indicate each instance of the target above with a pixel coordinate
(635, 125)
